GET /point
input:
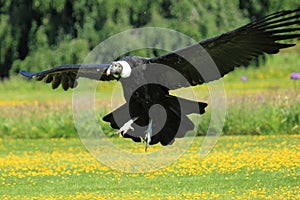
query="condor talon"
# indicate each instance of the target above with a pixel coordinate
(148, 135)
(127, 126)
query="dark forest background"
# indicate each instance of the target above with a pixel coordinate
(39, 34)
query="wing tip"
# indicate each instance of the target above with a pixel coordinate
(27, 74)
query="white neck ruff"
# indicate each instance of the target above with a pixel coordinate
(126, 71)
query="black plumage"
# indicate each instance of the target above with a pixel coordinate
(229, 50)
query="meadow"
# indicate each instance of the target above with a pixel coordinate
(257, 156)
(240, 167)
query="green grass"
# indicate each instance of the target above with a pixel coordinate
(253, 114)
(239, 167)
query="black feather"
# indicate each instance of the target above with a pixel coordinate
(65, 82)
(39, 78)
(49, 79)
(56, 81)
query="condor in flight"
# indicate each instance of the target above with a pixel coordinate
(229, 50)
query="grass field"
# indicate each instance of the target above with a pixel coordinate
(257, 157)
(239, 167)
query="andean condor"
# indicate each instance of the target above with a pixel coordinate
(229, 50)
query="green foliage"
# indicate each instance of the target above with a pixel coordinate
(38, 34)
(260, 115)
(258, 8)
(67, 52)
(36, 121)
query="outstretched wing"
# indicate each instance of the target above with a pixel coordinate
(66, 75)
(233, 49)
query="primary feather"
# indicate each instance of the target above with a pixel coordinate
(236, 48)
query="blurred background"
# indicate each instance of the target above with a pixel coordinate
(36, 34)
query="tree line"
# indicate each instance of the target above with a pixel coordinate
(39, 34)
